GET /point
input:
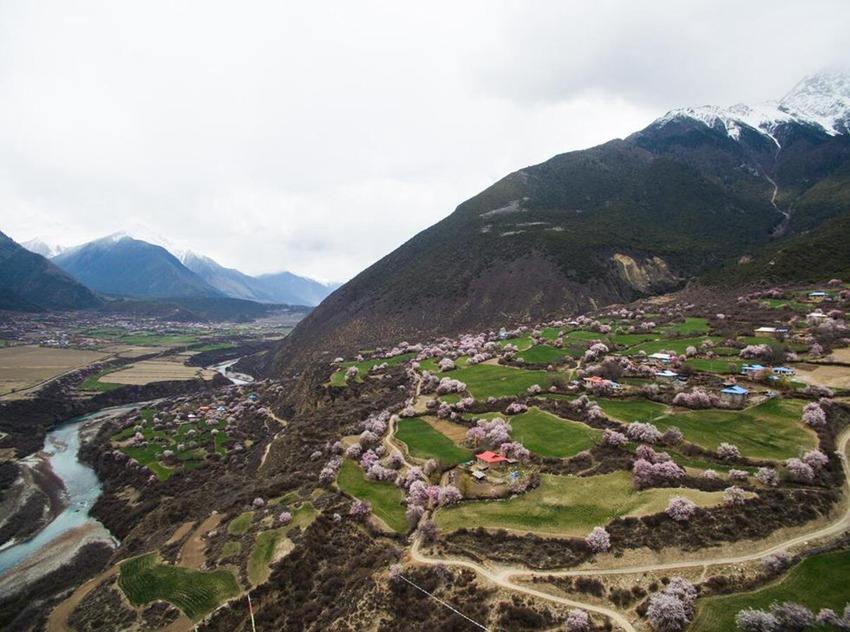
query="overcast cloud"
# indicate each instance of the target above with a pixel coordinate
(317, 137)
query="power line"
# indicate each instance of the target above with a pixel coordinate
(450, 607)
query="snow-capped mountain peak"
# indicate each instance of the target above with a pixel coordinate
(821, 100)
(43, 247)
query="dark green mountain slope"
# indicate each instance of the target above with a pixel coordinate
(608, 224)
(29, 282)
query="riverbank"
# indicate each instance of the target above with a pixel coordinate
(70, 489)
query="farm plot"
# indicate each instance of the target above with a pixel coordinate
(629, 410)
(544, 354)
(425, 442)
(143, 580)
(490, 380)
(569, 506)
(338, 377)
(164, 451)
(771, 430)
(149, 371)
(818, 582)
(271, 545)
(677, 346)
(385, 498)
(23, 367)
(548, 435)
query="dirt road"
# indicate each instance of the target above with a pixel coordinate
(503, 575)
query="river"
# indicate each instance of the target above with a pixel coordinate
(237, 378)
(81, 483)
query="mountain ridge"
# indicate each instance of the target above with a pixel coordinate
(30, 282)
(606, 224)
(275, 288)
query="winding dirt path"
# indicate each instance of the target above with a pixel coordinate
(503, 575)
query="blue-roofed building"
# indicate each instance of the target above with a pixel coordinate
(734, 394)
(749, 369)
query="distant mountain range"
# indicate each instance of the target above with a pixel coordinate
(29, 282)
(121, 265)
(739, 193)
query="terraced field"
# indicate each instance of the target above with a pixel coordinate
(568, 506)
(269, 543)
(490, 380)
(143, 580)
(338, 377)
(548, 435)
(819, 582)
(385, 498)
(424, 442)
(771, 430)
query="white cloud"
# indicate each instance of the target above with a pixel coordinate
(318, 137)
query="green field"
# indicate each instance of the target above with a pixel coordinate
(423, 442)
(268, 541)
(548, 435)
(629, 410)
(821, 581)
(715, 365)
(161, 440)
(566, 505)
(93, 384)
(385, 498)
(338, 378)
(691, 327)
(230, 549)
(678, 346)
(489, 380)
(544, 354)
(241, 523)
(144, 580)
(771, 430)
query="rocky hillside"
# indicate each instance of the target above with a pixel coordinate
(688, 194)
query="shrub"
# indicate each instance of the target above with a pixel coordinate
(598, 540)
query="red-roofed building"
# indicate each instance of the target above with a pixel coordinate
(490, 458)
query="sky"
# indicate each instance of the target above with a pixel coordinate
(317, 137)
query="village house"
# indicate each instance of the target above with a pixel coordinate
(664, 358)
(780, 333)
(667, 375)
(750, 370)
(782, 370)
(599, 382)
(488, 458)
(735, 395)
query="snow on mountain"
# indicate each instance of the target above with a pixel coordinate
(41, 247)
(821, 100)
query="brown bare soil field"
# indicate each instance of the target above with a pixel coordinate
(832, 376)
(194, 551)
(455, 432)
(149, 371)
(24, 367)
(128, 351)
